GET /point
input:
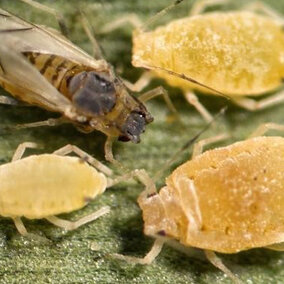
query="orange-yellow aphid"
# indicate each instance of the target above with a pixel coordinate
(225, 200)
(238, 53)
(41, 186)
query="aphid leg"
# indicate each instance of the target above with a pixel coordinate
(21, 150)
(157, 92)
(108, 150)
(217, 262)
(48, 122)
(97, 53)
(8, 101)
(85, 156)
(263, 128)
(193, 100)
(69, 225)
(23, 231)
(140, 84)
(58, 16)
(149, 258)
(188, 251)
(200, 6)
(131, 19)
(253, 105)
(198, 147)
(258, 6)
(109, 153)
(20, 226)
(143, 177)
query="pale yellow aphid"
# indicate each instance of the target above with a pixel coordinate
(238, 53)
(41, 186)
(225, 200)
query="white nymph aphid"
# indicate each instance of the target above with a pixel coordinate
(42, 186)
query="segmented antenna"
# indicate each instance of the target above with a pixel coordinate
(187, 145)
(57, 15)
(15, 30)
(185, 77)
(97, 49)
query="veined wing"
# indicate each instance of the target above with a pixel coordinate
(17, 72)
(35, 38)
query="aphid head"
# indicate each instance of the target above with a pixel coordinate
(134, 126)
(135, 116)
(156, 221)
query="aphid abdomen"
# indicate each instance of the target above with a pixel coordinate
(45, 185)
(55, 69)
(237, 53)
(240, 195)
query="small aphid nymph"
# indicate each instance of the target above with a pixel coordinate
(41, 186)
(224, 200)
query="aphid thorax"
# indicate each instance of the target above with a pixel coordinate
(102, 102)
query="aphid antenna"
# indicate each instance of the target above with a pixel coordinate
(97, 49)
(60, 19)
(158, 15)
(4, 15)
(184, 77)
(189, 143)
(15, 30)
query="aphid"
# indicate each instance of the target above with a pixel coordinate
(238, 53)
(41, 67)
(224, 200)
(41, 186)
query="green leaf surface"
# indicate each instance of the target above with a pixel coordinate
(68, 258)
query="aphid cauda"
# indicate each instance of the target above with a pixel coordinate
(224, 200)
(238, 53)
(41, 67)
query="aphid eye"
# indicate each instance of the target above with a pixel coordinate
(162, 233)
(152, 194)
(93, 94)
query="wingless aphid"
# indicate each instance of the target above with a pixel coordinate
(238, 53)
(41, 67)
(224, 200)
(41, 186)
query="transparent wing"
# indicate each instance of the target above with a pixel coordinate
(19, 74)
(25, 36)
